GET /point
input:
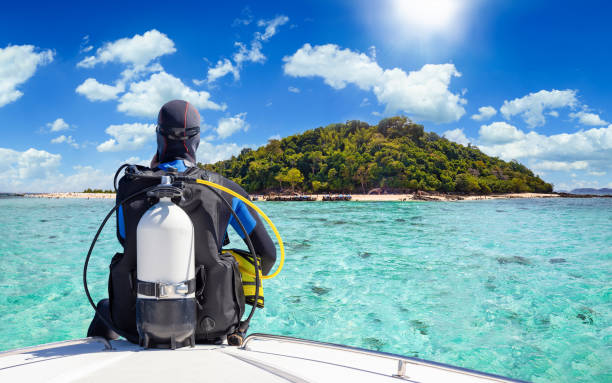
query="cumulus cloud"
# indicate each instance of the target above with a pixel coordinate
(244, 53)
(95, 91)
(532, 106)
(423, 94)
(230, 125)
(65, 139)
(18, 63)
(222, 68)
(210, 153)
(499, 133)
(586, 118)
(19, 168)
(144, 98)
(127, 137)
(484, 113)
(456, 135)
(138, 50)
(592, 146)
(293, 89)
(58, 125)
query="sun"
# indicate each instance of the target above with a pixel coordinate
(428, 18)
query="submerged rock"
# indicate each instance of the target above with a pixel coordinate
(421, 327)
(374, 343)
(320, 290)
(365, 255)
(514, 259)
(557, 260)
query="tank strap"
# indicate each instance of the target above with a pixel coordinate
(166, 290)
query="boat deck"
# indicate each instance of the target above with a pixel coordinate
(262, 358)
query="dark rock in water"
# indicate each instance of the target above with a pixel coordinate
(500, 211)
(514, 259)
(320, 290)
(295, 299)
(365, 255)
(43, 220)
(557, 260)
(339, 222)
(489, 285)
(422, 327)
(416, 217)
(306, 257)
(585, 318)
(373, 343)
(55, 236)
(400, 220)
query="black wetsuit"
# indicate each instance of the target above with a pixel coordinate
(211, 219)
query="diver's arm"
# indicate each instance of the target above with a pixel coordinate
(263, 244)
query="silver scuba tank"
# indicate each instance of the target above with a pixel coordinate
(165, 305)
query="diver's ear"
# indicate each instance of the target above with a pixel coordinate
(154, 161)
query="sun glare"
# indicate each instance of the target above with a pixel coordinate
(429, 18)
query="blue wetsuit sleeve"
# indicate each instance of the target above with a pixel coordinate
(121, 222)
(245, 216)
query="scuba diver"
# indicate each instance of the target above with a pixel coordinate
(217, 284)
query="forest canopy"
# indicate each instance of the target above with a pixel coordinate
(396, 155)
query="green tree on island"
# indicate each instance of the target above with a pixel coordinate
(396, 155)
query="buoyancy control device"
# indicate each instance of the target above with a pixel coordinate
(168, 312)
(165, 304)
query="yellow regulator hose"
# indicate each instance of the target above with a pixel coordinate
(261, 213)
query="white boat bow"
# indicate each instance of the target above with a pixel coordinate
(262, 358)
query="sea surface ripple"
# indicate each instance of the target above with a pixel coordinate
(521, 288)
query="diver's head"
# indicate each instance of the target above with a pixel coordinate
(178, 132)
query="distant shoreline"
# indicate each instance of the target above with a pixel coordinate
(419, 196)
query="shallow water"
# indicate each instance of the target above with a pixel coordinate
(520, 288)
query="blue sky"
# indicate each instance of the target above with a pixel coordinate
(81, 83)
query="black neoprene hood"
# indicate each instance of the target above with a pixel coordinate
(178, 132)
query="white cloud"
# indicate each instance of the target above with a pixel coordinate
(58, 125)
(457, 136)
(230, 125)
(275, 137)
(499, 133)
(484, 113)
(222, 68)
(364, 102)
(134, 160)
(65, 139)
(21, 168)
(423, 94)
(271, 26)
(144, 98)
(586, 118)
(127, 137)
(247, 54)
(85, 47)
(553, 113)
(38, 171)
(209, 153)
(532, 107)
(17, 64)
(247, 17)
(138, 50)
(593, 146)
(560, 165)
(95, 91)
(293, 89)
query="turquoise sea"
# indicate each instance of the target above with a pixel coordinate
(521, 288)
